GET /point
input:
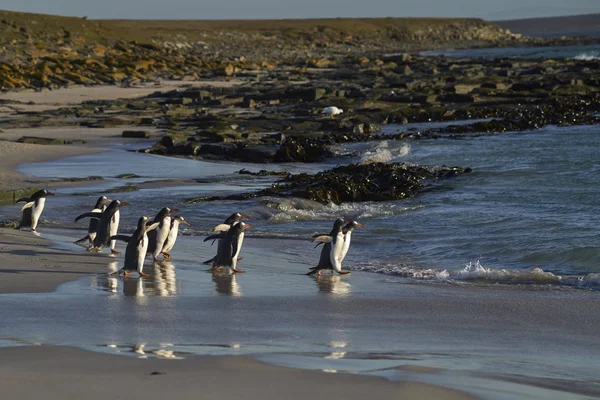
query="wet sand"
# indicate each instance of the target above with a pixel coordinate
(61, 373)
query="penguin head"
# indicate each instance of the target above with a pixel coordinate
(41, 193)
(235, 217)
(181, 220)
(337, 225)
(353, 225)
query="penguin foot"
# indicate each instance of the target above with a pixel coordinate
(166, 256)
(344, 272)
(125, 273)
(143, 275)
(239, 271)
(112, 251)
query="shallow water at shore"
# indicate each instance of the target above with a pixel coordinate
(582, 52)
(526, 215)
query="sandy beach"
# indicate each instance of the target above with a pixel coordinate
(32, 264)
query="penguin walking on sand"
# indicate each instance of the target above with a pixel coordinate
(157, 238)
(32, 210)
(172, 237)
(224, 227)
(137, 245)
(335, 248)
(228, 251)
(100, 206)
(108, 226)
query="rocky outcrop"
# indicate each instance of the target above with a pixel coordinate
(355, 182)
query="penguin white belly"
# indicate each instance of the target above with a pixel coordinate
(347, 238)
(335, 256)
(36, 212)
(172, 237)
(92, 233)
(114, 228)
(161, 235)
(240, 241)
(142, 248)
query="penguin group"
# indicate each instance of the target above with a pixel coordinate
(156, 236)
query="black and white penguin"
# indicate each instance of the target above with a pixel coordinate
(172, 237)
(100, 206)
(157, 239)
(228, 251)
(229, 221)
(108, 225)
(332, 258)
(224, 227)
(33, 208)
(137, 244)
(347, 230)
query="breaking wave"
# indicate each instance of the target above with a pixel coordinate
(592, 55)
(381, 152)
(477, 273)
(287, 210)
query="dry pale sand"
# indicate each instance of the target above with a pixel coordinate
(51, 99)
(64, 373)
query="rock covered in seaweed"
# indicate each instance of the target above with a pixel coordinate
(354, 182)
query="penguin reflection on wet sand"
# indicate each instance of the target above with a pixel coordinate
(230, 244)
(32, 210)
(157, 238)
(335, 248)
(108, 225)
(137, 244)
(224, 227)
(100, 206)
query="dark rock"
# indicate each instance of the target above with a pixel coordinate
(136, 134)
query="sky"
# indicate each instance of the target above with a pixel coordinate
(268, 9)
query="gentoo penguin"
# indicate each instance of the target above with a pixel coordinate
(347, 230)
(224, 227)
(137, 243)
(230, 244)
(232, 219)
(157, 239)
(172, 237)
(100, 206)
(107, 226)
(33, 208)
(331, 259)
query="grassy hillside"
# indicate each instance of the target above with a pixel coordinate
(25, 26)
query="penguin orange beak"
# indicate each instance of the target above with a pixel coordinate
(245, 217)
(361, 226)
(174, 210)
(248, 225)
(185, 223)
(124, 203)
(51, 194)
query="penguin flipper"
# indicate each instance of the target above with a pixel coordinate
(221, 228)
(23, 200)
(318, 244)
(124, 238)
(216, 236)
(28, 205)
(314, 271)
(96, 215)
(322, 239)
(152, 227)
(208, 262)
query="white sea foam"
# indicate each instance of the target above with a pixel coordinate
(477, 273)
(382, 152)
(593, 55)
(306, 210)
